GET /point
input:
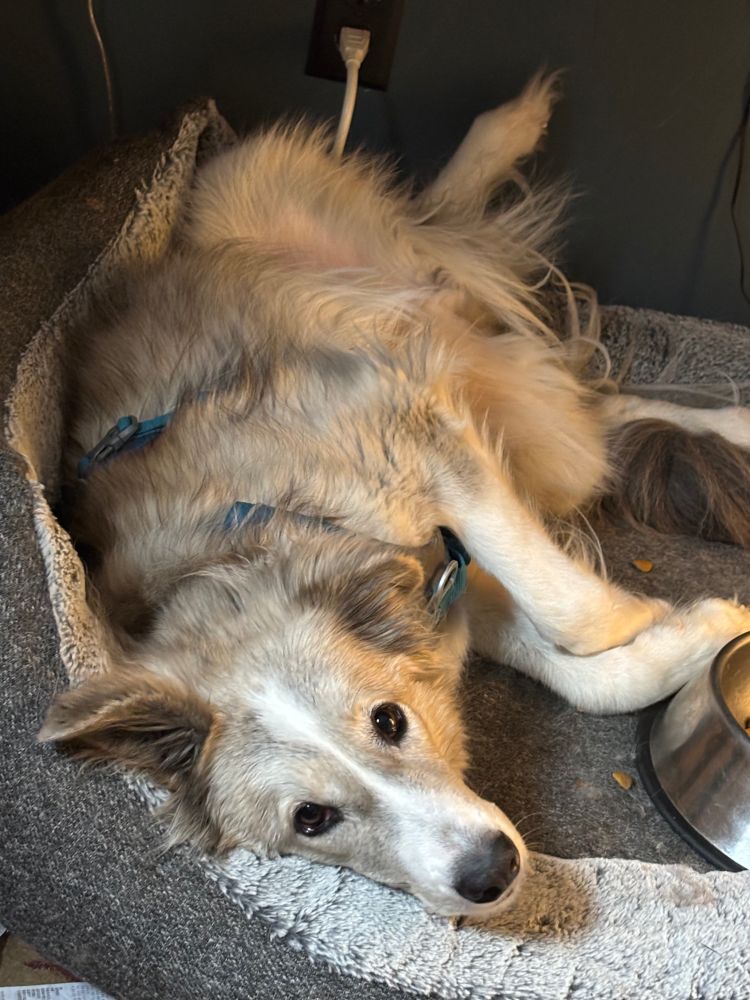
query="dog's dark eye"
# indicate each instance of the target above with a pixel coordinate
(311, 819)
(390, 722)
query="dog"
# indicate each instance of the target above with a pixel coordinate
(318, 454)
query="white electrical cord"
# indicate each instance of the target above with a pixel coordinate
(105, 68)
(353, 46)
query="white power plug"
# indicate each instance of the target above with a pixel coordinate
(354, 44)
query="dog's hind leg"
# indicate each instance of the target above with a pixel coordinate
(556, 449)
(493, 146)
(731, 422)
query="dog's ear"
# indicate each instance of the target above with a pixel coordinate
(146, 722)
(384, 606)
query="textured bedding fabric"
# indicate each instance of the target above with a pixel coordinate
(81, 876)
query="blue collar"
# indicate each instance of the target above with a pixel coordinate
(446, 585)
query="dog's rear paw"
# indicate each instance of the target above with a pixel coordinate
(538, 98)
(514, 130)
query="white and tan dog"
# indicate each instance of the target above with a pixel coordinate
(324, 372)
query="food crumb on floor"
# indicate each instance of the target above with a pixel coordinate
(644, 565)
(623, 779)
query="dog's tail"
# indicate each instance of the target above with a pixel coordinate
(679, 483)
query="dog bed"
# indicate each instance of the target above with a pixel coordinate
(617, 906)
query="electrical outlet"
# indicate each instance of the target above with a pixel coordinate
(381, 18)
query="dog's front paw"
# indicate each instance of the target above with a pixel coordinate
(715, 620)
(686, 642)
(615, 623)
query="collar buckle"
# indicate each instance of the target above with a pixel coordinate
(449, 580)
(115, 439)
(440, 587)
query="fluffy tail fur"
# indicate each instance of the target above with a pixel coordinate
(680, 483)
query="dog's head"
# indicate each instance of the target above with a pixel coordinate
(308, 707)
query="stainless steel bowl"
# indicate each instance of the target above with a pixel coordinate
(700, 754)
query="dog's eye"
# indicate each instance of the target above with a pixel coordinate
(311, 819)
(390, 722)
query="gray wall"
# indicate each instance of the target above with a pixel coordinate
(654, 94)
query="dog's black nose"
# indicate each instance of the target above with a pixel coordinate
(485, 875)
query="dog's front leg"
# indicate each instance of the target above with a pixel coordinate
(568, 603)
(656, 663)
